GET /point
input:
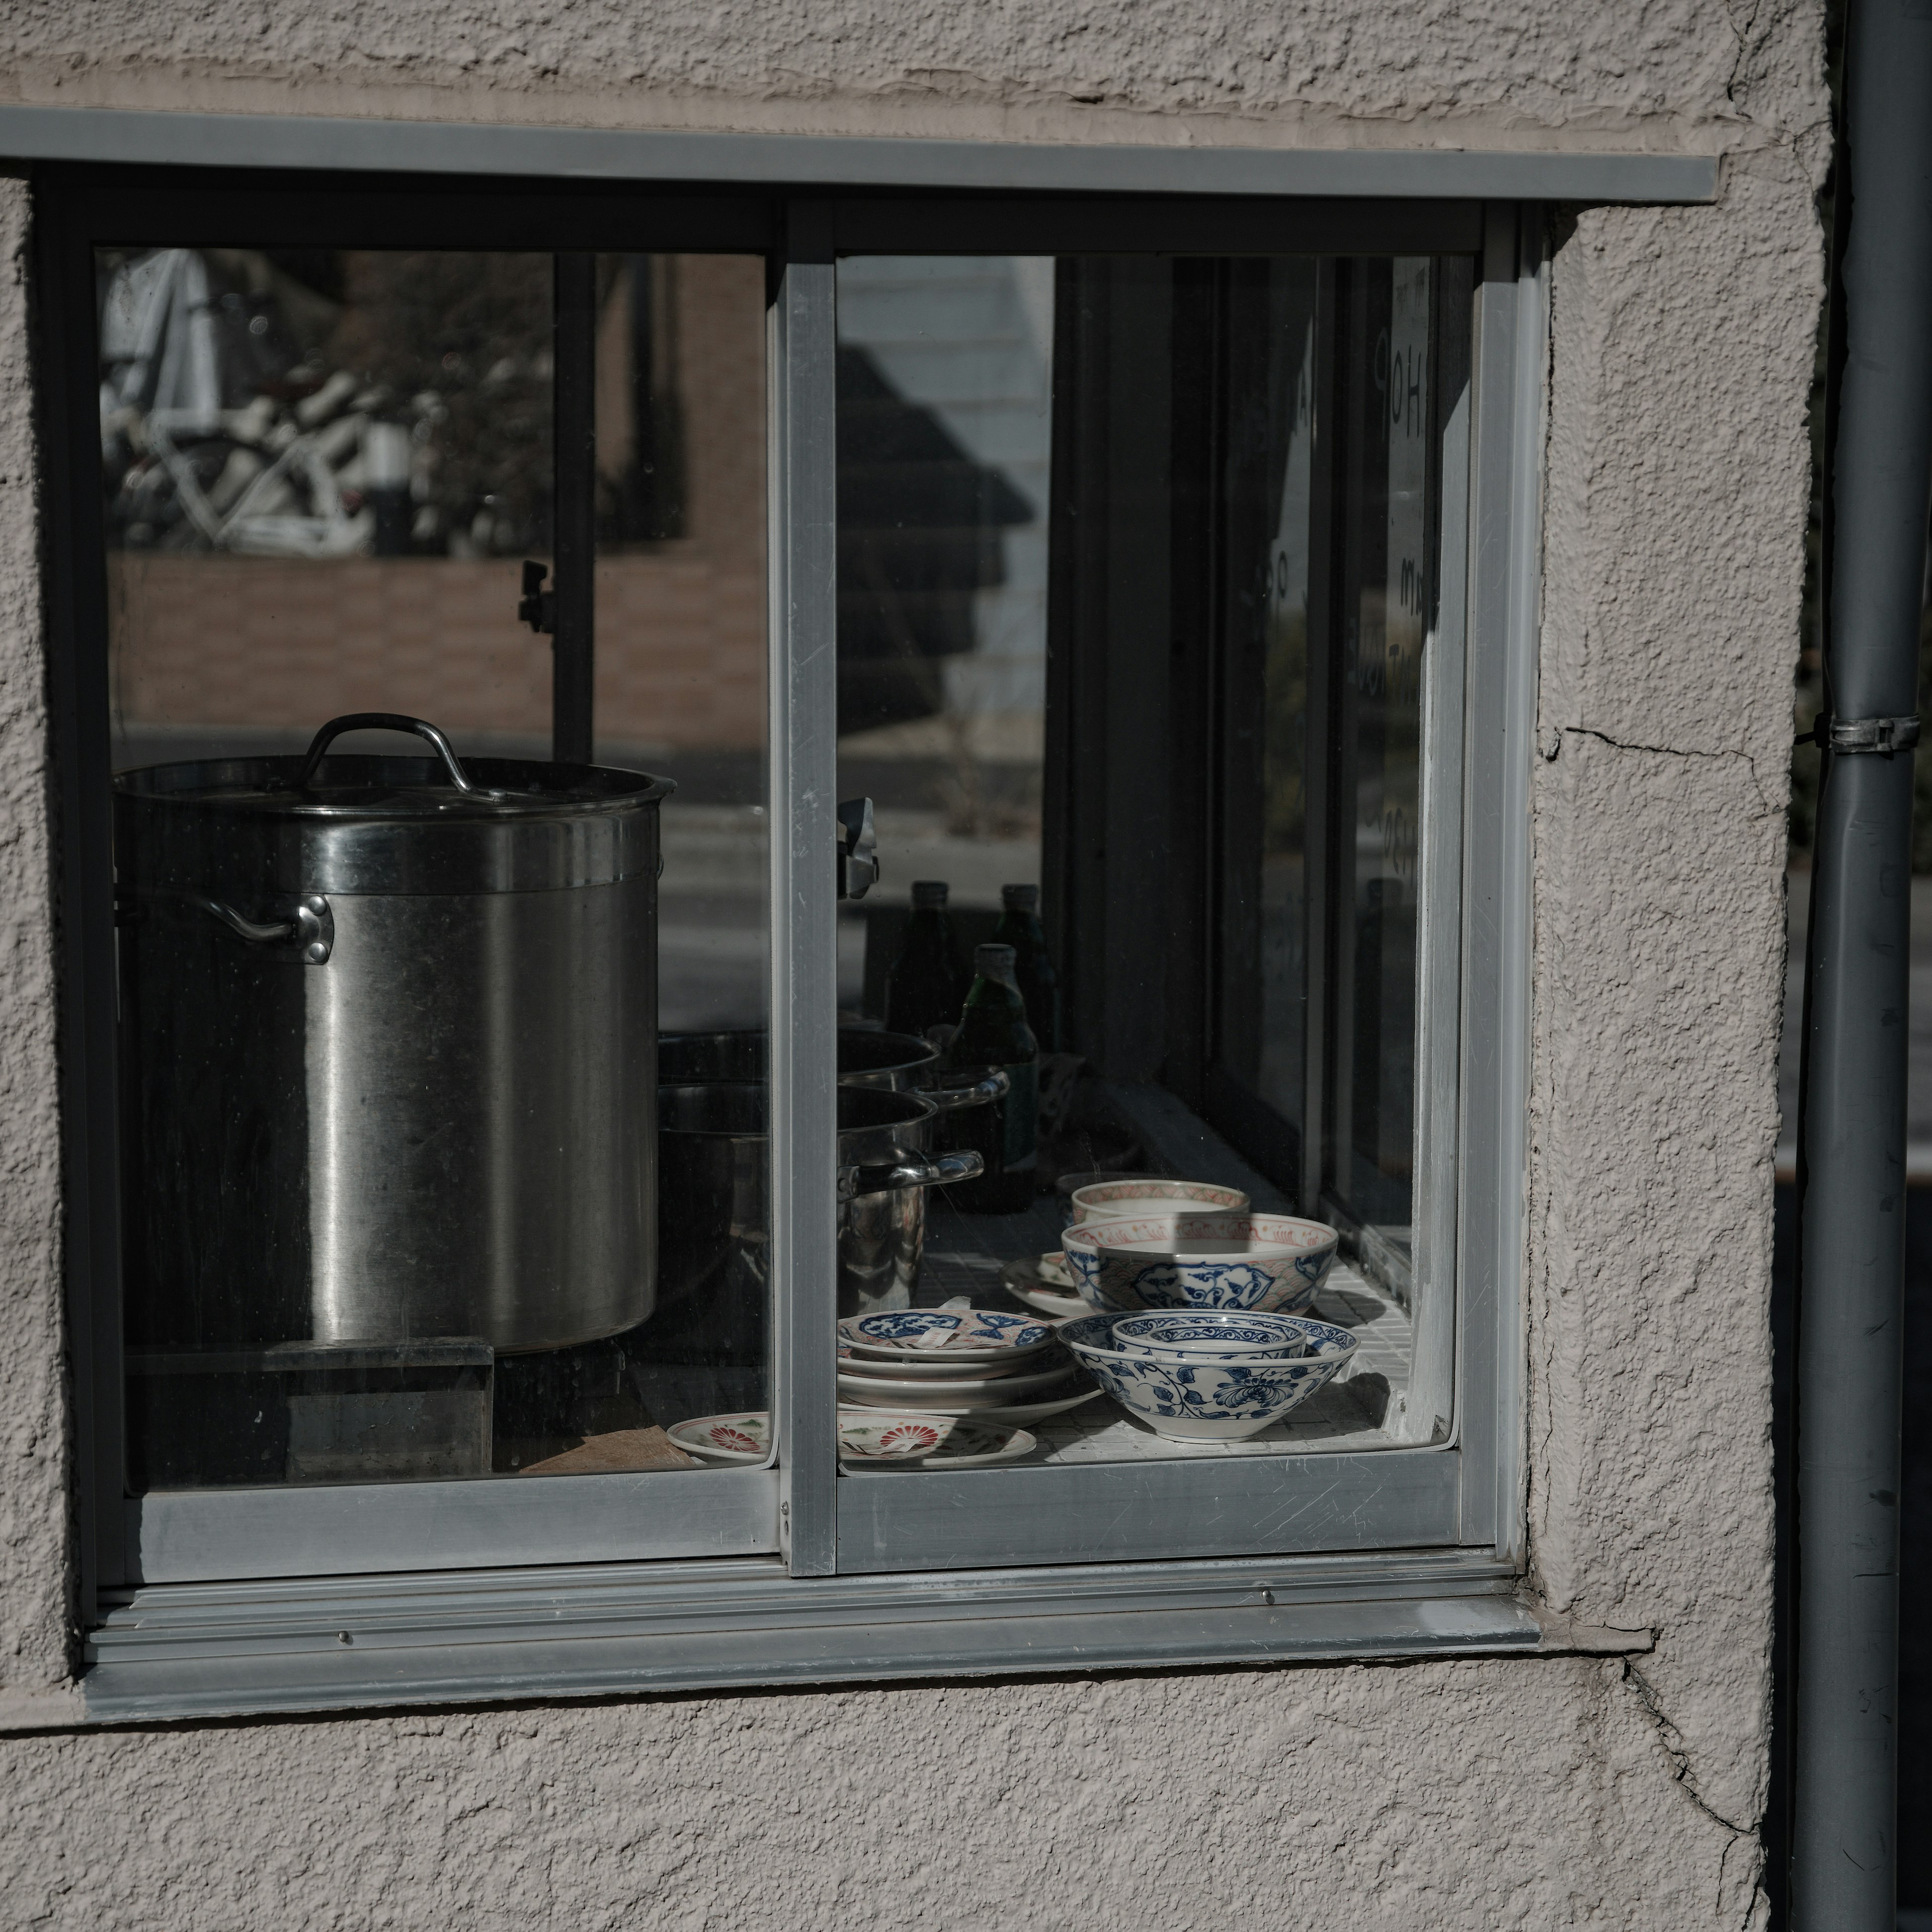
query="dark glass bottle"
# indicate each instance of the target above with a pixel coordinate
(1034, 971)
(993, 1033)
(926, 982)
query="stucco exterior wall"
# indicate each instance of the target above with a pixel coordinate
(1507, 1791)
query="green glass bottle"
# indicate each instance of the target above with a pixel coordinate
(1033, 970)
(993, 1034)
(925, 982)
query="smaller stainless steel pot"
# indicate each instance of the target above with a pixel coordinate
(714, 1246)
(894, 1062)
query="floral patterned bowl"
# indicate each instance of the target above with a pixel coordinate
(1135, 1200)
(1210, 1335)
(1208, 1402)
(872, 1437)
(1255, 1263)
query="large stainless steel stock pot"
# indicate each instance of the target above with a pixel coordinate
(715, 1249)
(388, 1029)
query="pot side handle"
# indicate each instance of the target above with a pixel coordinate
(996, 1086)
(308, 934)
(884, 1177)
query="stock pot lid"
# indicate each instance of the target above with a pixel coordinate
(352, 785)
(379, 825)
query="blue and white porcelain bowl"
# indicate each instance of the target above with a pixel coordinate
(1213, 1335)
(1207, 1402)
(1262, 1264)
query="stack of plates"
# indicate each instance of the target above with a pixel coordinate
(972, 1361)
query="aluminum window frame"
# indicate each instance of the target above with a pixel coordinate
(1404, 1525)
(1463, 1489)
(194, 1535)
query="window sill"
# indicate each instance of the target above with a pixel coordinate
(199, 1651)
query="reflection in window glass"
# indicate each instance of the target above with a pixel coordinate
(1324, 682)
(397, 1204)
(944, 428)
(680, 606)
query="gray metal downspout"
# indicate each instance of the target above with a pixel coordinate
(1851, 1133)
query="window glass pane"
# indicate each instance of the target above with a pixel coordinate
(1268, 480)
(396, 1203)
(1385, 600)
(1224, 478)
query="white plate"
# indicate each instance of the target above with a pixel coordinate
(949, 1368)
(967, 1392)
(1026, 1412)
(1021, 1280)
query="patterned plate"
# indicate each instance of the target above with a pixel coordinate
(927, 1442)
(745, 1436)
(868, 1439)
(964, 1333)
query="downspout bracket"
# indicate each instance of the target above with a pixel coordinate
(1882, 735)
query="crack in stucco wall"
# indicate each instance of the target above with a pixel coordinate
(1743, 1837)
(1675, 499)
(1552, 742)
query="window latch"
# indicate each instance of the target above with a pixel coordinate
(858, 849)
(537, 607)
(1882, 735)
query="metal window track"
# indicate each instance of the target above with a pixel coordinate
(199, 1650)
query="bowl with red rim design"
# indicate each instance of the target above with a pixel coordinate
(1264, 1263)
(1134, 1200)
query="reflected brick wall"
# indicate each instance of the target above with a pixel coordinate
(218, 640)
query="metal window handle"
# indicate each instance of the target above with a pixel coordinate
(884, 1176)
(383, 720)
(308, 933)
(996, 1086)
(537, 607)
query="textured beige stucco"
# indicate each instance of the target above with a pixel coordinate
(1452, 1797)
(1529, 1792)
(34, 1537)
(1662, 74)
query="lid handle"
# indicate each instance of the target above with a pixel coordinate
(382, 721)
